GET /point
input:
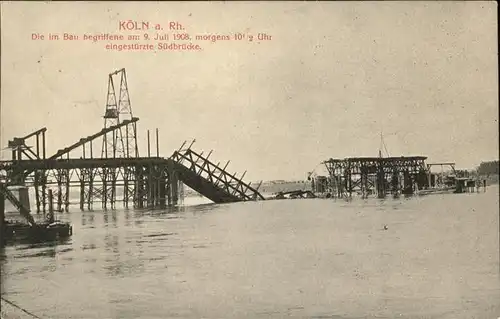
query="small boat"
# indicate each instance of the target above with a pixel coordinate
(44, 231)
(47, 230)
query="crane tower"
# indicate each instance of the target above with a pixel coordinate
(123, 142)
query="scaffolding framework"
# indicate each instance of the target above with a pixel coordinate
(369, 175)
(119, 174)
(122, 142)
(156, 181)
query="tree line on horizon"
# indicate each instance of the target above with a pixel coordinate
(488, 168)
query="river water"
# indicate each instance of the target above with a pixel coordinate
(310, 258)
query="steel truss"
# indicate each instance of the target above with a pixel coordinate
(368, 175)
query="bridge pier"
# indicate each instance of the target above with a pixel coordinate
(153, 181)
(126, 174)
(362, 173)
(422, 179)
(139, 187)
(340, 186)
(59, 190)
(173, 183)
(163, 191)
(159, 186)
(104, 191)
(407, 183)
(395, 183)
(82, 190)
(90, 192)
(381, 193)
(66, 188)
(114, 172)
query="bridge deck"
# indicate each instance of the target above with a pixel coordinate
(81, 163)
(215, 183)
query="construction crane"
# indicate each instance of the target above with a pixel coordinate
(122, 142)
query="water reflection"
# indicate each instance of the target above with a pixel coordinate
(28, 243)
(112, 262)
(205, 208)
(127, 218)
(48, 249)
(113, 218)
(265, 259)
(87, 218)
(89, 246)
(126, 235)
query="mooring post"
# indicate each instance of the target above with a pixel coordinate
(51, 205)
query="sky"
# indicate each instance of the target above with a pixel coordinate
(333, 77)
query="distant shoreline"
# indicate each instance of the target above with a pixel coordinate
(273, 187)
(492, 179)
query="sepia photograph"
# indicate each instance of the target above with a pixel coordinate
(249, 159)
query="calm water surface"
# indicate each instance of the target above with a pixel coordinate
(439, 258)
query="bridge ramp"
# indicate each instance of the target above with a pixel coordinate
(211, 180)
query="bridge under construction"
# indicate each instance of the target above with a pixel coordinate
(118, 174)
(406, 175)
(380, 175)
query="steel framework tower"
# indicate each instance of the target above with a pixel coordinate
(123, 143)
